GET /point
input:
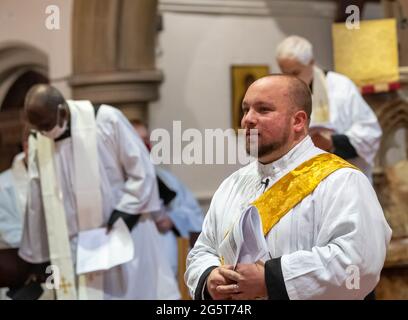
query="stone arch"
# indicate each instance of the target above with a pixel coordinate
(21, 66)
(19, 60)
(392, 116)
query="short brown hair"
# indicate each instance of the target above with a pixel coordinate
(298, 92)
(300, 95)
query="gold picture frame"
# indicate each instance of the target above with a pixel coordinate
(242, 77)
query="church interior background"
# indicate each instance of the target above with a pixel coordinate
(169, 60)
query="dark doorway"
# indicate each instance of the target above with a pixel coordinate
(11, 116)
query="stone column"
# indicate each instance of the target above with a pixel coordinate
(114, 54)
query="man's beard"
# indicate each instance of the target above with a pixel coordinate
(259, 151)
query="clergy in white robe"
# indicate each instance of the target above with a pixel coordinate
(13, 199)
(184, 212)
(127, 185)
(336, 229)
(13, 202)
(354, 132)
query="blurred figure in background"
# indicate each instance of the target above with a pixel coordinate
(13, 198)
(181, 215)
(13, 201)
(341, 122)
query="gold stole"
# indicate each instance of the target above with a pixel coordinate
(292, 188)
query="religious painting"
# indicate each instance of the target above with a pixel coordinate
(242, 76)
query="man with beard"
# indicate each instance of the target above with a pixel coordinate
(320, 215)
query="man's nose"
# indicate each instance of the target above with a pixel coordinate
(249, 119)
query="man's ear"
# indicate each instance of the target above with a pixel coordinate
(300, 121)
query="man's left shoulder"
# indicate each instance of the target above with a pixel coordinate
(106, 112)
(347, 177)
(339, 81)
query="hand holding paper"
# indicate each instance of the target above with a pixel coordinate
(245, 243)
(99, 250)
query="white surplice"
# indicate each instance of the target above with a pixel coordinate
(128, 184)
(13, 201)
(13, 198)
(352, 116)
(340, 224)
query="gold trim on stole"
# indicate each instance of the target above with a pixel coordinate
(292, 188)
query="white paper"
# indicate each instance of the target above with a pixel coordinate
(98, 250)
(245, 243)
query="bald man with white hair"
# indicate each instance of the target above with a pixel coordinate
(341, 122)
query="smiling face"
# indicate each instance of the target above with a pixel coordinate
(293, 67)
(269, 108)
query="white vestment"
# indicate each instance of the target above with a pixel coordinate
(13, 195)
(13, 198)
(185, 213)
(128, 184)
(340, 224)
(352, 116)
